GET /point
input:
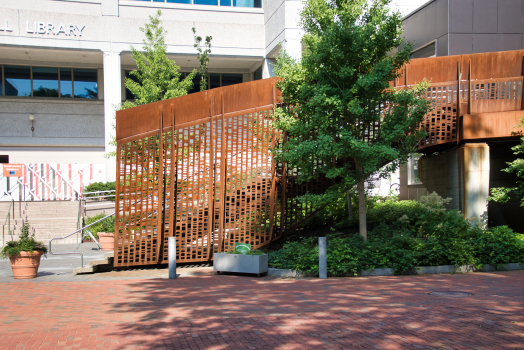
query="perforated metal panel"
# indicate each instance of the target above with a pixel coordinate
(207, 179)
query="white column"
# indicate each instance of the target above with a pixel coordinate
(476, 180)
(112, 99)
(293, 46)
(267, 68)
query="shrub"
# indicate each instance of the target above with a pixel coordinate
(107, 225)
(26, 243)
(407, 234)
(100, 186)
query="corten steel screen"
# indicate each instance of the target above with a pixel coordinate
(199, 167)
(465, 85)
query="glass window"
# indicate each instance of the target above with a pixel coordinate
(45, 82)
(427, 51)
(85, 83)
(225, 2)
(205, 2)
(17, 81)
(413, 170)
(66, 83)
(196, 84)
(231, 79)
(258, 74)
(179, 1)
(247, 3)
(129, 94)
(214, 81)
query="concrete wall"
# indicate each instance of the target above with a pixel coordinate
(407, 191)
(467, 26)
(428, 23)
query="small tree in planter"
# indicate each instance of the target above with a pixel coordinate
(241, 260)
(24, 254)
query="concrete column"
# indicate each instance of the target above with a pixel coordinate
(476, 180)
(462, 174)
(267, 68)
(293, 48)
(112, 99)
(322, 257)
(171, 253)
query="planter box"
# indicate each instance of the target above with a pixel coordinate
(223, 262)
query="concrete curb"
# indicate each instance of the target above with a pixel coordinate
(421, 270)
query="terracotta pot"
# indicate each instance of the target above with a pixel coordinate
(26, 264)
(107, 240)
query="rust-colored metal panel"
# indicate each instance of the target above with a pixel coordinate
(200, 168)
(440, 123)
(491, 125)
(435, 69)
(502, 64)
(496, 95)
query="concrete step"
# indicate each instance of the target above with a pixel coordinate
(104, 264)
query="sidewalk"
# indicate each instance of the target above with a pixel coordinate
(238, 312)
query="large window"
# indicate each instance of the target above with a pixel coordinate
(215, 80)
(413, 170)
(234, 3)
(48, 82)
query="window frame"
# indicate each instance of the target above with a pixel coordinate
(2, 78)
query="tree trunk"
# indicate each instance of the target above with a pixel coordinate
(361, 204)
(350, 208)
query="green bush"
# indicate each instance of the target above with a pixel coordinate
(100, 186)
(26, 243)
(404, 235)
(107, 225)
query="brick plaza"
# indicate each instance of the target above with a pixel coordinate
(238, 312)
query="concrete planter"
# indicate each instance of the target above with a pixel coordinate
(256, 264)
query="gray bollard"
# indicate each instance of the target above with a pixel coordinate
(322, 258)
(171, 243)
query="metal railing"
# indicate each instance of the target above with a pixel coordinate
(87, 197)
(8, 220)
(72, 233)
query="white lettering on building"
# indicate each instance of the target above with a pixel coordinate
(50, 29)
(6, 27)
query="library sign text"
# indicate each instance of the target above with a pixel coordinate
(48, 28)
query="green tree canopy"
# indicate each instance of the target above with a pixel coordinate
(503, 194)
(157, 77)
(342, 118)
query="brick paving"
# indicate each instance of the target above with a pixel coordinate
(239, 312)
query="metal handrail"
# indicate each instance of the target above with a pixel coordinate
(72, 233)
(82, 203)
(8, 221)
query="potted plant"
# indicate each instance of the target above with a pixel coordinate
(104, 231)
(24, 254)
(241, 260)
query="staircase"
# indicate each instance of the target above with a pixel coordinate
(49, 219)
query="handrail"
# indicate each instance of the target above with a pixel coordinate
(72, 233)
(8, 221)
(82, 203)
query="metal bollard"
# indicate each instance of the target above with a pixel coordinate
(322, 258)
(171, 243)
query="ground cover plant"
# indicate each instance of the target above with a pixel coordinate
(402, 236)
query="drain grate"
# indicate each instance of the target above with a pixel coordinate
(451, 294)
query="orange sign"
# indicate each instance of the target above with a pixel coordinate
(16, 170)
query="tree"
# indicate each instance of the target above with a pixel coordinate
(157, 77)
(341, 117)
(203, 58)
(502, 194)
